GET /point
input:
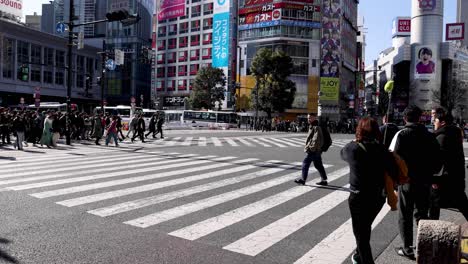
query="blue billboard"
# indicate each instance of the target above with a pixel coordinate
(221, 40)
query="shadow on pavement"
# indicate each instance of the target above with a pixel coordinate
(7, 158)
(5, 256)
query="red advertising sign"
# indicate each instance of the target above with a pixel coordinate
(401, 26)
(272, 6)
(260, 2)
(455, 31)
(171, 9)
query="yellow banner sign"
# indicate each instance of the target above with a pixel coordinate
(329, 89)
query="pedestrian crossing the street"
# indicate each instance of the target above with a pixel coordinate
(243, 205)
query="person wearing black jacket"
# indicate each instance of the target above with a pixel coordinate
(140, 129)
(448, 189)
(368, 161)
(19, 127)
(420, 150)
(388, 131)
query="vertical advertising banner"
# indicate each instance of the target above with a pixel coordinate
(425, 58)
(329, 88)
(330, 42)
(221, 33)
(171, 9)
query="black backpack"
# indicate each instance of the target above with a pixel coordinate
(327, 141)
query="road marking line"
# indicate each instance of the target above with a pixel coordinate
(231, 142)
(264, 238)
(216, 142)
(258, 142)
(148, 187)
(282, 141)
(147, 201)
(187, 141)
(99, 185)
(341, 240)
(202, 141)
(272, 142)
(245, 142)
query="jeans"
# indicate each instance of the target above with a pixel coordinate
(413, 201)
(19, 140)
(364, 208)
(114, 136)
(315, 157)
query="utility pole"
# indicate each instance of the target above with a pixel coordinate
(71, 26)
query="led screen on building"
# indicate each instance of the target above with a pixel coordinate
(12, 7)
(171, 9)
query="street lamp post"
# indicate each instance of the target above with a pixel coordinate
(71, 26)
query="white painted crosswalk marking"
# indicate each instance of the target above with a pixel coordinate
(337, 246)
(231, 142)
(282, 141)
(245, 142)
(187, 141)
(116, 182)
(156, 218)
(269, 141)
(216, 142)
(262, 239)
(149, 187)
(258, 142)
(216, 223)
(172, 142)
(202, 142)
(154, 161)
(147, 201)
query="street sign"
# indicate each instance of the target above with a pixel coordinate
(119, 57)
(61, 27)
(110, 64)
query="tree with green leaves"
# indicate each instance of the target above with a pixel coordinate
(208, 88)
(271, 71)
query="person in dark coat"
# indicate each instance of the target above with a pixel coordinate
(140, 129)
(448, 189)
(388, 131)
(152, 127)
(159, 125)
(368, 161)
(420, 151)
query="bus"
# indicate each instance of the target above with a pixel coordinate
(54, 106)
(124, 111)
(210, 119)
(173, 118)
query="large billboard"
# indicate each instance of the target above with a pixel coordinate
(455, 31)
(221, 27)
(171, 9)
(401, 26)
(330, 42)
(425, 58)
(12, 7)
(329, 89)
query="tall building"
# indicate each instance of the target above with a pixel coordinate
(134, 77)
(183, 39)
(33, 21)
(462, 17)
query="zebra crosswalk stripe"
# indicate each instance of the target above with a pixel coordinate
(262, 239)
(147, 201)
(202, 142)
(259, 143)
(216, 142)
(341, 240)
(231, 142)
(94, 186)
(154, 186)
(282, 141)
(187, 141)
(91, 170)
(245, 142)
(269, 141)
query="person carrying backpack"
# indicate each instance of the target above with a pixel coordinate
(313, 148)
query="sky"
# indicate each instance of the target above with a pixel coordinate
(378, 17)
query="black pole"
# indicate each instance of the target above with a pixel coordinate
(70, 72)
(103, 73)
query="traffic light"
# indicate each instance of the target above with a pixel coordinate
(24, 73)
(117, 15)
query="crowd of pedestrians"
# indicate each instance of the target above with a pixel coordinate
(47, 127)
(415, 170)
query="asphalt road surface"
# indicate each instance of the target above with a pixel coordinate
(205, 197)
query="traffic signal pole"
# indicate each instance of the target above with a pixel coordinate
(71, 26)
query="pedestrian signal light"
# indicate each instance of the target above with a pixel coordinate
(117, 15)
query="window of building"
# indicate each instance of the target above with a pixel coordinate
(48, 57)
(196, 11)
(160, 58)
(171, 57)
(160, 72)
(162, 31)
(36, 54)
(171, 85)
(183, 28)
(172, 29)
(171, 71)
(161, 44)
(48, 77)
(208, 23)
(195, 24)
(172, 43)
(60, 59)
(35, 74)
(182, 56)
(194, 54)
(160, 85)
(59, 78)
(183, 42)
(182, 85)
(194, 69)
(206, 65)
(207, 38)
(7, 58)
(300, 66)
(206, 53)
(191, 82)
(195, 40)
(196, 1)
(182, 70)
(208, 9)
(22, 52)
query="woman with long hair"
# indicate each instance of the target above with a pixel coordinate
(368, 160)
